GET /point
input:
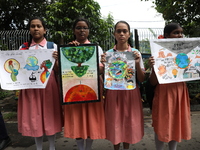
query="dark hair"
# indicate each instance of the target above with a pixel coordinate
(77, 20)
(29, 24)
(80, 19)
(170, 27)
(130, 42)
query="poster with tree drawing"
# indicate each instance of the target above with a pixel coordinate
(177, 59)
(120, 71)
(79, 69)
(25, 69)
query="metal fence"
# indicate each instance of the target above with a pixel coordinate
(14, 38)
(145, 35)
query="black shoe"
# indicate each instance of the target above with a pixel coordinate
(5, 143)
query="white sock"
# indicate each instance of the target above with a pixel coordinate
(80, 144)
(126, 149)
(159, 144)
(88, 144)
(38, 142)
(51, 140)
(172, 145)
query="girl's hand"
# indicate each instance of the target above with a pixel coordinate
(55, 55)
(76, 43)
(103, 58)
(137, 56)
(151, 61)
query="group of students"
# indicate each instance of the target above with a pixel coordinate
(117, 118)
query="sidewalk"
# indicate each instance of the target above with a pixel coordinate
(147, 143)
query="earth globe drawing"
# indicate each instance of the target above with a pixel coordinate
(117, 69)
(182, 60)
(31, 63)
(78, 55)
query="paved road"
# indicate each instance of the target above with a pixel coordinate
(147, 143)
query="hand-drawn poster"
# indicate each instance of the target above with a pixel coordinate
(79, 73)
(25, 69)
(177, 59)
(120, 71)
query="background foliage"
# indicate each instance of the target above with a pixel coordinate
(184, 12)
(59, 16)
(15, 13)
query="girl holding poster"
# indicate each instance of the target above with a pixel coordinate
(84, 121)
(39, 110)
(171, 104)
(123, 108)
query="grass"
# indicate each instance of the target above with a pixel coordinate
(5, 93)
(10, 116)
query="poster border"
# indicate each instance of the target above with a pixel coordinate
(60, 74)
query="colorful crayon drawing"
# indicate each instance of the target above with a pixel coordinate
(182, 61)
(119, 71)
(78, 55)
(46, 64)
(12, 66)
(31, 63)
(80, 93)
(176, 60)
(162, 70)
(79, 73)
(26, 69)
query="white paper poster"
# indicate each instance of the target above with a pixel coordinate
(120, 71)
(176, 59)
(25, 69)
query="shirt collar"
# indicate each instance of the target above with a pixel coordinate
(42, 43)
(86, 42)
(129, 48)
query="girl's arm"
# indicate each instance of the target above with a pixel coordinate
(153, 79)
(102, 65)
(140, 72)
(101, 69)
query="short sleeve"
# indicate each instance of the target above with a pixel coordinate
(100, 53)
(141, 61)
(55, 47)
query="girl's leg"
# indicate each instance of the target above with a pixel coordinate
(126, 146)
(159, 144)
(51, 140)
(88, 144)
(38, 142)
(116, 147)
(172, 145)
(80, 143)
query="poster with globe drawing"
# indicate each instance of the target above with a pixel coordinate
(176, 59)
(25, 69)
(79, 69)
(119, 71)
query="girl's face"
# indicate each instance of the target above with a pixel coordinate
(81, 31)
(37, 30)
(177, 33)
(121, 33)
